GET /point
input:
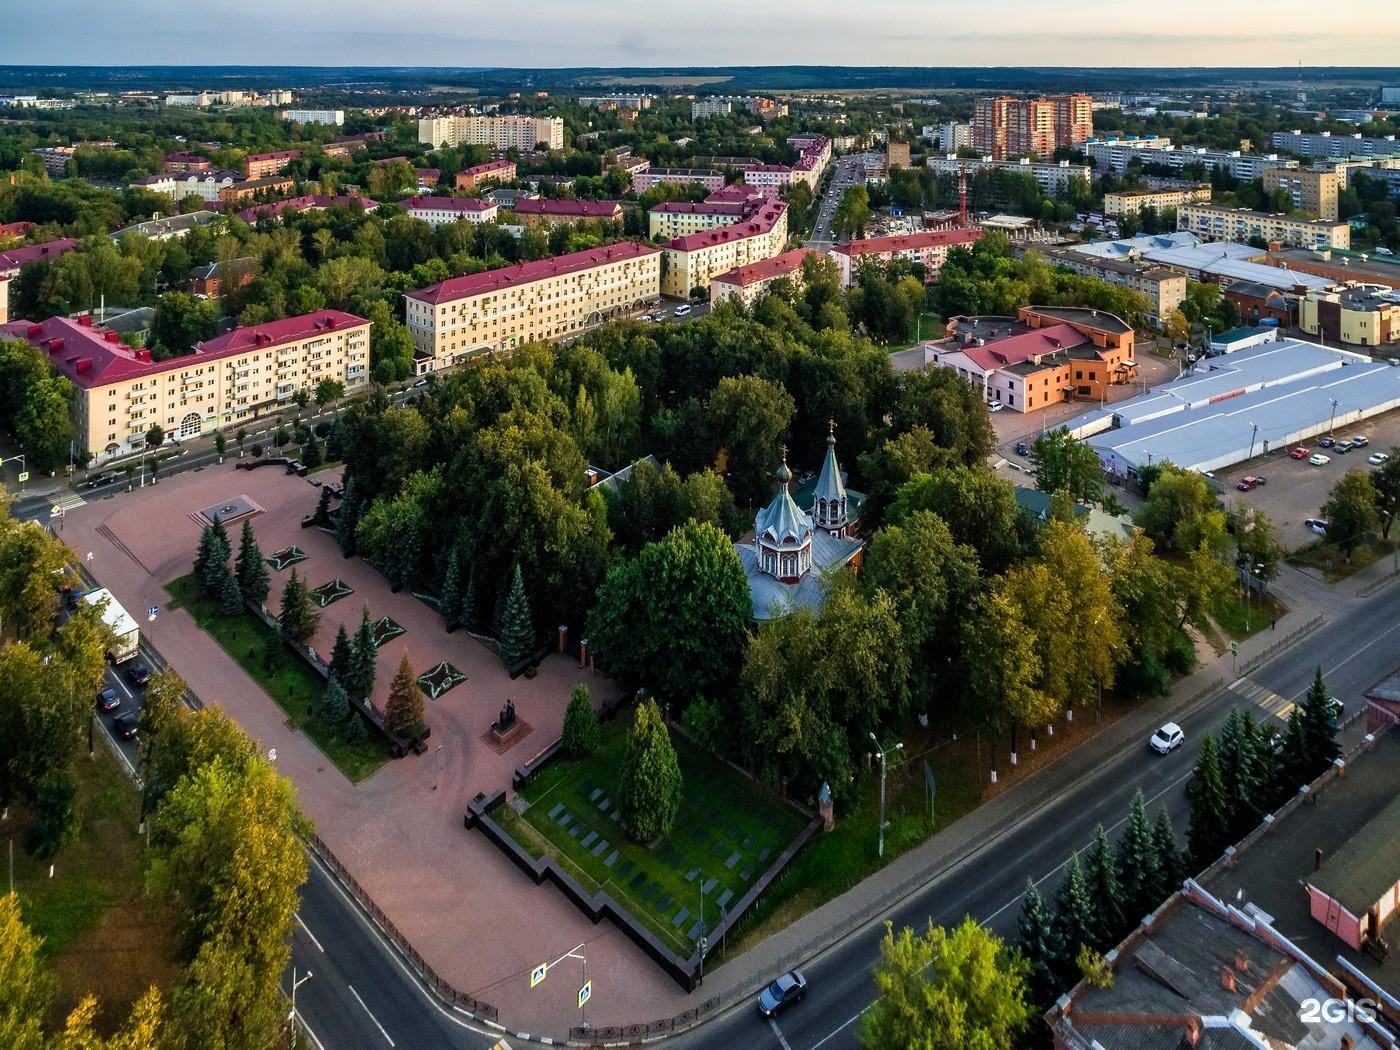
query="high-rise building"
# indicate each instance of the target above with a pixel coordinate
(1313, 192)
(1013, 127)
(520, 132)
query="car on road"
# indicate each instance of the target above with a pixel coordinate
(1335, 708)
(681, 311)
(138, 675)
(125, 725)
(1301, 452)
(993, 406)
(1022, 449)
(1327, 442)
(790, 988)
(1377, 458)
(1249, 482)
(1168, 738)
(105, 478)
(1317, 459)
(1341, 448)
(1360, 441)
(1316, 525)
(108, 700)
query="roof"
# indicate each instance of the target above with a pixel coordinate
(281, 154)
(572, 208)
(773, 599)
(169, 224)
(309, 202)
(830, 484)
(14, 258)
(907, 242)
(489, 166)
(705, 207)
(737, 193)
(1125, 247)
(1367, 866)
(766, 269)
(1236, 335)
(661, 174)
(759, 221)
(1087, 316)
(504, 277)
(1385, 268)
(445, 204)
(1017, 347)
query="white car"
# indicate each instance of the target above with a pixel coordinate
(1168, 738)
(1317, 459)
(1316, 525)
(994, 406)
(1377, 458)
(681, 311)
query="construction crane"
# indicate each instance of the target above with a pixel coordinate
(962, 196)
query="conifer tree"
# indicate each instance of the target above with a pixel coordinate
(650, 792)
(1073, 923)
(1137, 863)
(403, 553)
(323, 506)
(1101, 877)
(1171, 865)
(250, 568)
(451, 597)
(221, 546)
(1239, 774)
(582, 733)
(517, 634)
(1319, 727)
(298, 618)
(342, 665)
(311, 452)
(348, 519)
(1035, 928)
(1209, 831)
(335, 704)
(230, 597)
(361, 679)
(204, 556)
(355, 729)
(467, 611)
(403, 714)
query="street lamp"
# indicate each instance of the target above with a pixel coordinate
(292, 1017)
(883, 752)
(1254, 433)
(1334, 414)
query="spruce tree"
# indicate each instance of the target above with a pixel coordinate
(1239, 774)
(1137, 863)
(204, 556)
(222, 548)
(450, 604)
(468, 606)
(355, 728)
(582, 733)
(211, 561)
(297, 619)
(251, 570)
(1319, 728)
(403, 555)
(348, 519)
(403, 714)
(335, 704)
(1035, 928)
(1209, 831)
(361, 679)
(1101, 877)
(1073, 923)
(272, 650)
(311, 452)
(323, 506)
(517, 633)
(650, 792)
(1171, 865)
(342, 665)
(230, 597)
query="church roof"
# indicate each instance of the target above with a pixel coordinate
(830, 485)
(773, 599)
(781, 522)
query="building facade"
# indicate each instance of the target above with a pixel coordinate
(747, 284)
(1004, 127)
(436, 211)
(693, 260)
(499, 132)
(549, 213)
(1131, 202)
(928, 249)
(1051, 177)
(1362, 316)
(709, 178)
(247, 189)
(1325, 144)
(206, 185)
(465, 317)
(710, 107)
(1214, 223)
(314, 116)
(493, 172)
(1115, 155)
(672, 219)
(261, 165)
(954, 136)
(1313, 192)
(1165, 289)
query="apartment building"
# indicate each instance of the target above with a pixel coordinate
(1313, 192)
(709, 178)
(436, 211)
(309, 202)
(928, 249)
(1132, 202)
(12, 260)
(465, 317)
(953, 136)
(672, 219)
(770, 179)
(1052, 177)
(261, 165)
(693, 260)
(896, 155)
(1165, 289)
(206, 185)
(1363, 315)
(122, 393)
(182, 160)
(710, 107)
(548, 213)
(493, 172)
(247, 189)
(747, 284)
(499, 132)
(1325, 144)
(345, 145)
(314, 116)
(1115, 155)
(638, 102)
(1005, 127)
(1213, 223)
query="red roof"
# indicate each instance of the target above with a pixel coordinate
(1022, 347)
(489, 166)
(281, 154)
(505, 277)
(738, 193)
(92, 357)
(310, 202)
(573, 209)
(705, 207)
(766, 269)
(761, 221)
(445, 204)
(908, 242)
(15, 229)
(28, 253)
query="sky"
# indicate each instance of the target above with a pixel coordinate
(540, 33)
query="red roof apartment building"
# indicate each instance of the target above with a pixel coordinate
(261, 165)
(929, 249)
(492, 172)
(748, 283)
(541, 211)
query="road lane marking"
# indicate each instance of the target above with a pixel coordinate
(371, 1016)
(779, 1033)
(307, 929)
(1348, 659)
(842, 1026)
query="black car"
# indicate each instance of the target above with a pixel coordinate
(1327, 442)
(138, 675)
(1022, 449)
(108, 700)
(125, 725)
(791, 987)
(105, 478)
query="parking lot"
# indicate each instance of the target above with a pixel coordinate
(1295, 490)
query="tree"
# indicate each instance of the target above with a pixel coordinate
(582, 733)
(1319, 725)
(1001, 645)
(155, 437)
(947, 991)
(143, 1029)
(348, 521)
(26, 985)
(1240, 772)
(403, 714)
(311, 453)
(180, 322)
(1036, 939)
(298, 619)
(1209, 832)
(675, 618)
(230, 597)
(56, 822)
(748, 417)
(328, 391)
(1138, 868)
(211, 559)
(1074, 917)
(450, 604)
(1063, 464)
(1171, 865)
(1101, 877)
(1179, 512)
(335, 704)
(1385, 479)
(650, 792)
(360, 682)
(1350, 511)
(355, 732)
(220, 443)
(342, 665)
(979, 508)
(852, 214)
(517, 641)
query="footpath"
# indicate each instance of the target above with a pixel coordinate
(820, 930)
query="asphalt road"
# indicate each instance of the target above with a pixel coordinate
(850, 172)
(1355, 650)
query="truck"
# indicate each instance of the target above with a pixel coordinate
(126, 635)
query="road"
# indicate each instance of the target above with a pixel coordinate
(850, 171)
(1356, 649)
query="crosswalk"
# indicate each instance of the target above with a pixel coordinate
(67, 501)
(1278, 706)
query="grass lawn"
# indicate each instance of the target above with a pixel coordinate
(1328, 558)
(291, 683)
(931, 327)
(101, 933)
(1238, 621)
(728, 832)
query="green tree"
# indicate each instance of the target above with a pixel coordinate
(347, 522)
(329, 391)
(517, 640)
(335, 704)
(355, 731)
(403, 713)
(1101, 877)
(1351, 512)
(230, 598)
(312, 454)
(35, 403)
(180, 322)
(56, 820)
(1065, 465)
(1036, 939)
(1179, 512)
(451, 598)
(979, 507)
(298, 619)
(650, 790)
(26, 985)
(1171, 864)
(1385, 479)
(1319, 723)
(1138, 868)
(1074, 917)
(582, 732)
(342, 665)
(1209, 832)
(1240, 773)
(852, 214)
(360, 682)
(748, 417)
(947, 991)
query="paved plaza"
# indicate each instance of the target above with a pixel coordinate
(472, 916)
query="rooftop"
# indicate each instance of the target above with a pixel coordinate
(281, 154)
(169, 224)
(1220, 209)
(705, 207)
(1366, 866)
(504, 277)
(1129, 247)
(907, 242)
(445, 204)
(755, 222)
(1361, 263)
(13, 258)
(1087, 316)
(766, 269)
(310, 202)
(574, 208)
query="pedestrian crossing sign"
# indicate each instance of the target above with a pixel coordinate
(538, 974)
(585, 993)
(1235, 648)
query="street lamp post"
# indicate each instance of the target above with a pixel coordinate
(292, 1017)
(883, 753)
(1254, 433)
(1333, 419)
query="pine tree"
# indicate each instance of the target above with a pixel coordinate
(342, 665)
(1035, 928)
(1101, 877)
(230, 597)
(403, 555)
(1209, 831)
(204, 556)
(403, 714)
(1137, 863)
(1171, 865)
(1239, 774)
(355, 729)
(582, 733)
(517, 633)
(450, 604)
(323, 506)
(468, 607)
(311, 452)
(361, 679)
(211, 562)
(348, 519)
(272, 650)
(251, 570)
(650, 792)
(1319, 727)
(1073, 923)
(298, 619)
(335, 704)
(222, 546)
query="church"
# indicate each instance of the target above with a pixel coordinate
(793, 550)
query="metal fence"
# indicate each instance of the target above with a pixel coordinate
(599, 1036)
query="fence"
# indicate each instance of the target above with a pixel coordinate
(629, 1032)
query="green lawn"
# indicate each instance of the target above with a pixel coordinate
(1329, 559)
(729, 831)
(1239, 621)
(291, 683)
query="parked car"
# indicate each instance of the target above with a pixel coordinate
(681, 311)
(1168, 738)
(1360, 441)
(1335, 708)
(108, 700)
(790, 988)
(138, 674)
(1326, 442)
(1317, 459)
(1377, 458)
(1316, 525)
(1022, 449)
(1248, 483)
(1341, 448)
(1301, 452)
(125, 725)
(993, 406)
